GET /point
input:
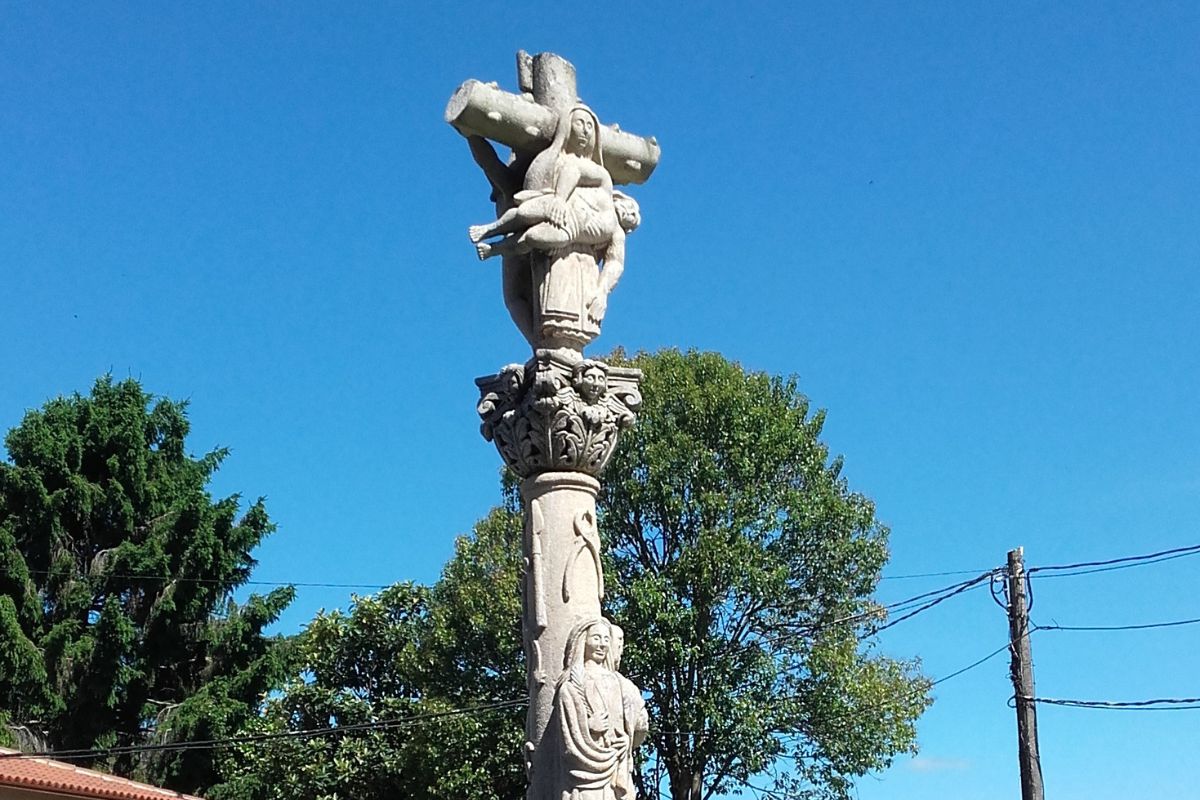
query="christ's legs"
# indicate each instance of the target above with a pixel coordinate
(543, 236)
(505, 224)
(531, 212)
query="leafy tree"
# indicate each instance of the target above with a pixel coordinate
(735, 551)
(117, 625)
(405, 662)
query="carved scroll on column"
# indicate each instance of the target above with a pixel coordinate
(536, 573)
(587, 540)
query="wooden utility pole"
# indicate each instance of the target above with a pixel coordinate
(1022, 678)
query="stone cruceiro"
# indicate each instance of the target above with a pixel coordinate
(559, 232)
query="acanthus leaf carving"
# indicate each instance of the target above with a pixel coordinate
(558, 414)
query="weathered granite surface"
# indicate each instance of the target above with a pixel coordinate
(560, 232)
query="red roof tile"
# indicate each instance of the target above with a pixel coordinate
(45, 775)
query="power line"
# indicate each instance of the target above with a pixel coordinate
(1141, 627)
(859, 710)
(209, 744)
(180, 579)
(775, 795)
(1108, 565)
(966, 585)
(973, 664)
(931, 574)
(761, 791)
(938, 596)
(1163, 704)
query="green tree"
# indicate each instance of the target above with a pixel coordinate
(407, 663)
(117, 570)
(735, 548)
(734, 551)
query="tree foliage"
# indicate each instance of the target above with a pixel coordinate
(735, 546)
(117, 625)
(409, 660)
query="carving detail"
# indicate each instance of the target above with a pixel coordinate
(537, 577)
(587, 540)
(601, 714)
(553, 415)
(558, 217)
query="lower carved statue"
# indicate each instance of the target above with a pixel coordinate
(601, 715)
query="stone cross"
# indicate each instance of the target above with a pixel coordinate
(556, 210)
(525, 122)
(556, 418)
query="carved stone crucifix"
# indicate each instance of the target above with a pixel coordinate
(555, 419)
(556, 209)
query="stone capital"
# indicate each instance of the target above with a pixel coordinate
(558, 413)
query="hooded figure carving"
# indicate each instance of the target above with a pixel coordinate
(590, 706)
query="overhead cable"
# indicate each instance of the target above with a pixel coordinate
(238, 584)
(1142, 627)
(931, 574)
(1108, 565)
(209, 744)
(1162, 704)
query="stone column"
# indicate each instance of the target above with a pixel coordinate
(560, 539)
(555, 421)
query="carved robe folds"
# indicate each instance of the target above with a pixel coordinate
(565, 283)
(591, 721)
(600, 715)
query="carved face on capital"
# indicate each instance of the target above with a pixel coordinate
(582, 136)
(597, 642)
(591, 382)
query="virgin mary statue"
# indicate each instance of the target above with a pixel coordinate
(570, 179)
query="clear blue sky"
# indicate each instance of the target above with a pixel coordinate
(972, 229)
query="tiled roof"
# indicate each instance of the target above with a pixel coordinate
(45, 775)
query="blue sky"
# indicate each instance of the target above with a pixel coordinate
(973, 230)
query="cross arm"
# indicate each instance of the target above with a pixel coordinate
(481, 109)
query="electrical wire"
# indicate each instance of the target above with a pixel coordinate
(974, 664)
(1108, 565)
(910, 605)
(965, 586)
(938, 595)
(1142, 627)
(931, 574)
(860, 710)
(1162, 704)
(379, 586)
(909, 601)
(761, 791)
(210, 744)
(175, 579)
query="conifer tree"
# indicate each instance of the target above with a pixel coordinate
(117, 570)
